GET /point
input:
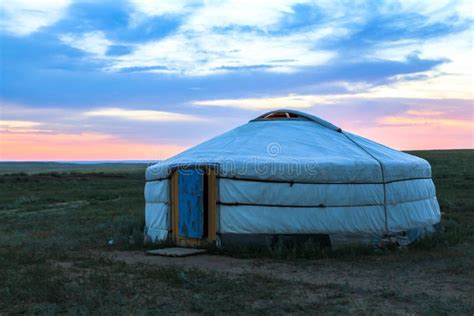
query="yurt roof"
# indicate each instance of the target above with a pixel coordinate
(284, 145)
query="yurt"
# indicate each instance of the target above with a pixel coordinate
(289, 173)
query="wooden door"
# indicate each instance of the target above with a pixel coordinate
(190, 203)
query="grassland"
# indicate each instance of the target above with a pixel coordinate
(57, 255)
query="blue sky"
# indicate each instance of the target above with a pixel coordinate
(164, 75)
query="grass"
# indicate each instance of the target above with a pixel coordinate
(59, 225)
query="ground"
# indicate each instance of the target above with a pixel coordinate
(71, 242)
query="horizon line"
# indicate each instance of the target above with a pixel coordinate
(144, 161)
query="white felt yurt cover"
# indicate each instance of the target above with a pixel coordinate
(302, 175)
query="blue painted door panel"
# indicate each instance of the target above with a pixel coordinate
(190, 203)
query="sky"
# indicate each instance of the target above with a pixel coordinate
(143, 79)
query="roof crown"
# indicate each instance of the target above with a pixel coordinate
(287, 114)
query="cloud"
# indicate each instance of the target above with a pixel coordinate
(418, 137)
(424, 113)
(425, 121)
(144, 115)
(198, 54)
(450, 87)
(14, 126)
(79, 146)
(206, 15)
(217, 37)
(17, 124)
(291, 101)
(451, 79)
(445, 86)
(23, 17)
(258, 14)
(159, 8)
(433, 11)
(94, 43)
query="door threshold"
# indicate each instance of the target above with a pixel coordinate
(176, 252)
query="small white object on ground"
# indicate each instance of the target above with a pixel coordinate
(176, 252)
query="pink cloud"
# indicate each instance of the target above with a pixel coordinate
(420, 137)
(81, 146)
